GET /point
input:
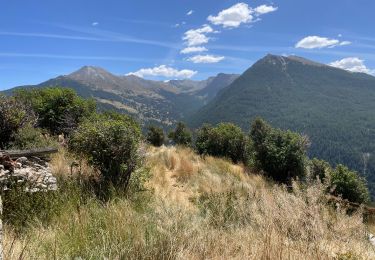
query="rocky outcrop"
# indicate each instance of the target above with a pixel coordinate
(33, 173)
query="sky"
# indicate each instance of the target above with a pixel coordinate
(178, 39)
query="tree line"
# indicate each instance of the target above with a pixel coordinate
(110, 141)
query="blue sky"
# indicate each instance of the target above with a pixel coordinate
(42, 39)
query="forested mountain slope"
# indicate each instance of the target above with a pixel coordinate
(334, 107)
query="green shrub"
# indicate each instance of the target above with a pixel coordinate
(110, 143)
(280, 154)
(30, 137)
(349, 185)
(13, 116)
(155, 136)
(181, 135)
(59, 110)
(319, 169)
(224, 140)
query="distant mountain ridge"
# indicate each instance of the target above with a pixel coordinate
(334, 107)
(150, 101)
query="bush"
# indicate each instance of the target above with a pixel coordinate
(13, 116)
(59, 110)
(110, 143)
(319, 169)
(181, 135)
(224, 140)
(349, 185)
(281, 154)
(155, 136)
(30, 137)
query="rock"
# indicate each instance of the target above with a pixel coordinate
(52, 187)
(42, 186)
(18, 165)
(33, 172)
(52, 180)
(22, 160)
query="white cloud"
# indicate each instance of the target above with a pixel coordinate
(164, 71)
(206, 59)
(345, 43)
(352, 64)
(239, 13)
(193, 49)
(233, 16)
(95, 24)
(317, 42)
(198, 36)
(190, 12)
(264, 9)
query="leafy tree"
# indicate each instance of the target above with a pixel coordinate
(181, 135)
(13, 116)
(349, 185)
(155, 136)
(281, 154)
(225, 140)
(59, 110)
(110, 143)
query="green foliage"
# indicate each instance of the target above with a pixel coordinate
(224, 140)
(319, 169)
(59, 110)
(333, 107)
(181, 135)
(110, 143)
(349, 185)
(13, 116)
(281, 154)
(30, 137)
(155, 136)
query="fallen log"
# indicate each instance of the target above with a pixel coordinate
(40, 152)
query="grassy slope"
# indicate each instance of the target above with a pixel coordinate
(197, 208)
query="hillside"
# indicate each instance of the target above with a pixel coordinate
(150, 101)
(193, 208)
(335, 108)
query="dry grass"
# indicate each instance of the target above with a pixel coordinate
(201, 209)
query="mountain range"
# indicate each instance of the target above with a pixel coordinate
(156, 102)
(335, 108)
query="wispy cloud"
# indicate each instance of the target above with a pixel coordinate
(115, 36)
(190, 12)
(71, 57)
(95, 24)
(206, 59)
(193, 49)
(52, 36)
(93, 34)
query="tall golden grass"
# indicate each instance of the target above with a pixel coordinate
(201, 208)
